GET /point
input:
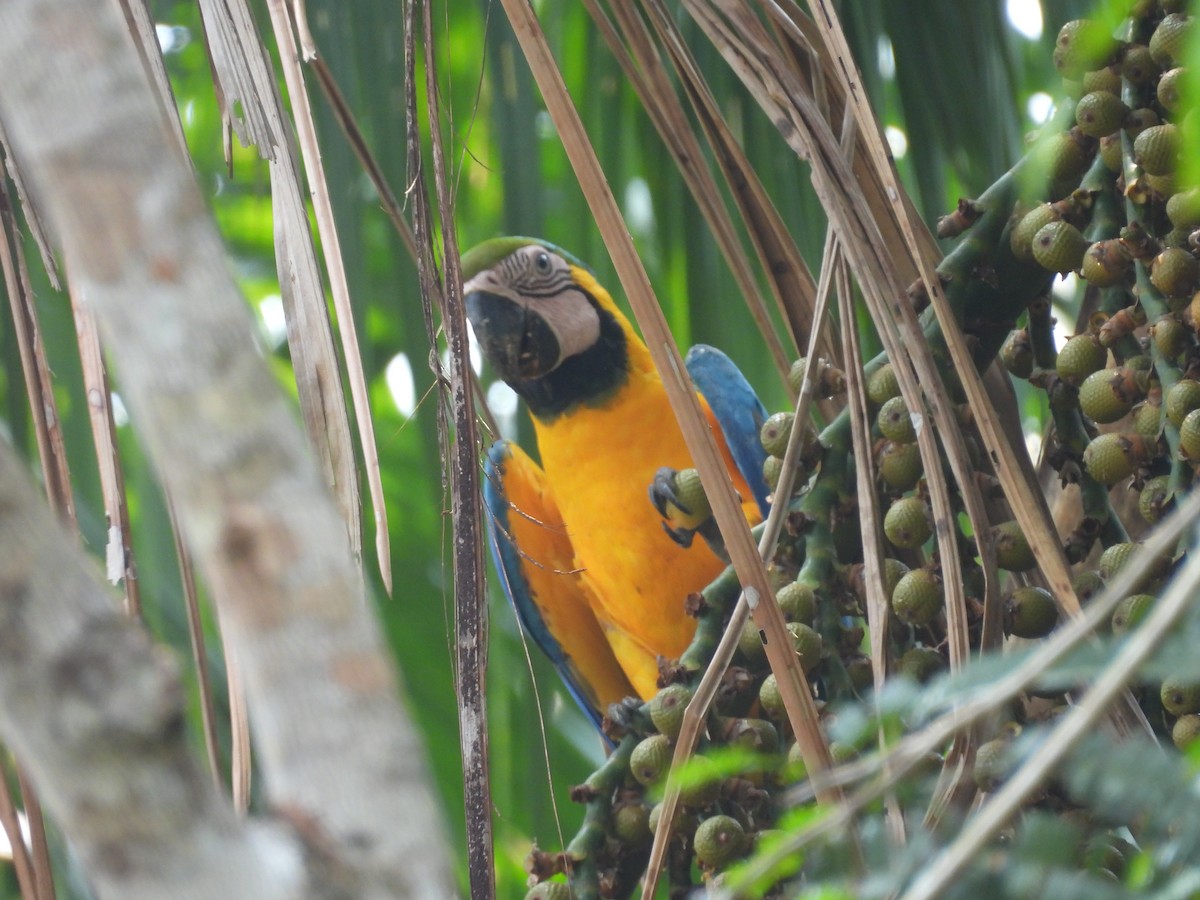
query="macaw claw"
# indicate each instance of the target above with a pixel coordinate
(679, 497)
(683, 508)
(621, 717)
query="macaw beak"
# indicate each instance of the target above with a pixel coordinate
(517, 342)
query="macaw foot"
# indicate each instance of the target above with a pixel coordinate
(679, 497)
(621, 717)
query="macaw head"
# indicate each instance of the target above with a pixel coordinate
(544, 324)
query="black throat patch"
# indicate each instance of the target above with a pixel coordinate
(585, 379)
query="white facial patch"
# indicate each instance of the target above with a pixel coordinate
(540, 281)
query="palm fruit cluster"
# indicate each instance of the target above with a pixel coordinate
(1098, 195)
(1124, 390)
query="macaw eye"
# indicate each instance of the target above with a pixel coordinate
(542, 263)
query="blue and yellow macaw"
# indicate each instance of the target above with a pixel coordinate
(597, 575)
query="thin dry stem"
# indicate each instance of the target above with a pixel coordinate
(208, 718)
(697, 709)
(43, 408)
(39, 848)
(10, 821)
(331, 247)
(119, 551)
(726, 508)
(650, 80)
(470, 587)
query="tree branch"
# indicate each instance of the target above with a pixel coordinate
(337, 751)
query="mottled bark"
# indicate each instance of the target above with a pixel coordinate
(338, 754)
(95, 713)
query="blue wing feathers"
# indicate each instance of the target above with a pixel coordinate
(509, 565)
(738, 411)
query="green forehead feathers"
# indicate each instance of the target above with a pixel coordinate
(484, 256)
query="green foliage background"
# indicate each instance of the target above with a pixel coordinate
(959, 91)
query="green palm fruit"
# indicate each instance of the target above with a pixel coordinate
(921, 663)
(1168, 89)
(772, 470)
(1166, 186)
(770, 699)
(828, 381)
(1083, 45)
(631, 824)
(1131, 611)
(685, 823)
(841, 753)
(1013, 552)
(776, 431)
(1156, 149)
(1183, 209)
(1106, 78)
(1181, 399)
(795, 376)
(549, 890)
(883, 385)
(1170, 336)
(690, 499)
(1059, 247)
(795, 762)
(758, 735)
(1175, 272)
(1112, 153)
(1113, 559)
(750, 643)
(651, 759)
(667, 708)
(907, 524)
(1080, 356)
(1100, 113)
(1017, 353)
(1154, 498)
(1030, 613)
(1167, 42)
(808, 644)
(1113, 457)
(893, 571)
(1147, 421)
(1087, 585)
(918, 597)
(1138, 66)
(703, 784)
(798, 602)
(1186, 730)
(719, 840)
(1180, 696)
(1189, 436)
(1105, 396)
(1021, 237)
(899, 465)
(895, 422)
(991, 764)
(1139, 120)
(1106, 263)
(1143, 363)
(1116, 557)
